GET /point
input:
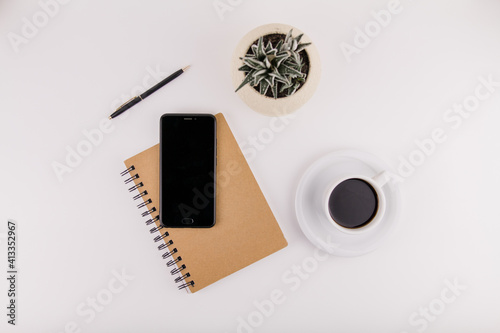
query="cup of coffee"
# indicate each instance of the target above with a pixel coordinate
(356, 203)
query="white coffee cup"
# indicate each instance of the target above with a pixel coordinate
(377, 183)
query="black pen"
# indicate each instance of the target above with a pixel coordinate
(134, 100)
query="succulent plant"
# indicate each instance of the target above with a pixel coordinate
(275, 67)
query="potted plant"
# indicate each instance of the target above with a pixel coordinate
(275, 69)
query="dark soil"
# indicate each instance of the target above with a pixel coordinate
(275, 38)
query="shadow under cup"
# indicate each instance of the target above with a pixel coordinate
(353, 203)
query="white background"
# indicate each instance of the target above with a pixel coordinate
(73, 234)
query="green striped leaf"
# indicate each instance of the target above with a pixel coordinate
(264, 86)
(247, 80)
(274, 89)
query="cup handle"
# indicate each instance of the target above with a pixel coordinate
(382, 178)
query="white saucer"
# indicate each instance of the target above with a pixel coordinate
(318, 227)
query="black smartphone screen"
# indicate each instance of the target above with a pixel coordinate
(187, 170)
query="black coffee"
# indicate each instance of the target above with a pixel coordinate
(353, 203)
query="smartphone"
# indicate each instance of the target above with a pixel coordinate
(188, 159)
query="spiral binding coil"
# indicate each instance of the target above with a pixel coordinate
(169, 254)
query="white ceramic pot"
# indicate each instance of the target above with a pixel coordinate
(268, 105)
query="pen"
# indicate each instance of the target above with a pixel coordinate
(134, 100)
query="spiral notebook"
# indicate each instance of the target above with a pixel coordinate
(245, 230)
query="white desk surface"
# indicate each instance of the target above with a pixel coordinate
(75, 235)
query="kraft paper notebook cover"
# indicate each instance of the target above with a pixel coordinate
(245, 230)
